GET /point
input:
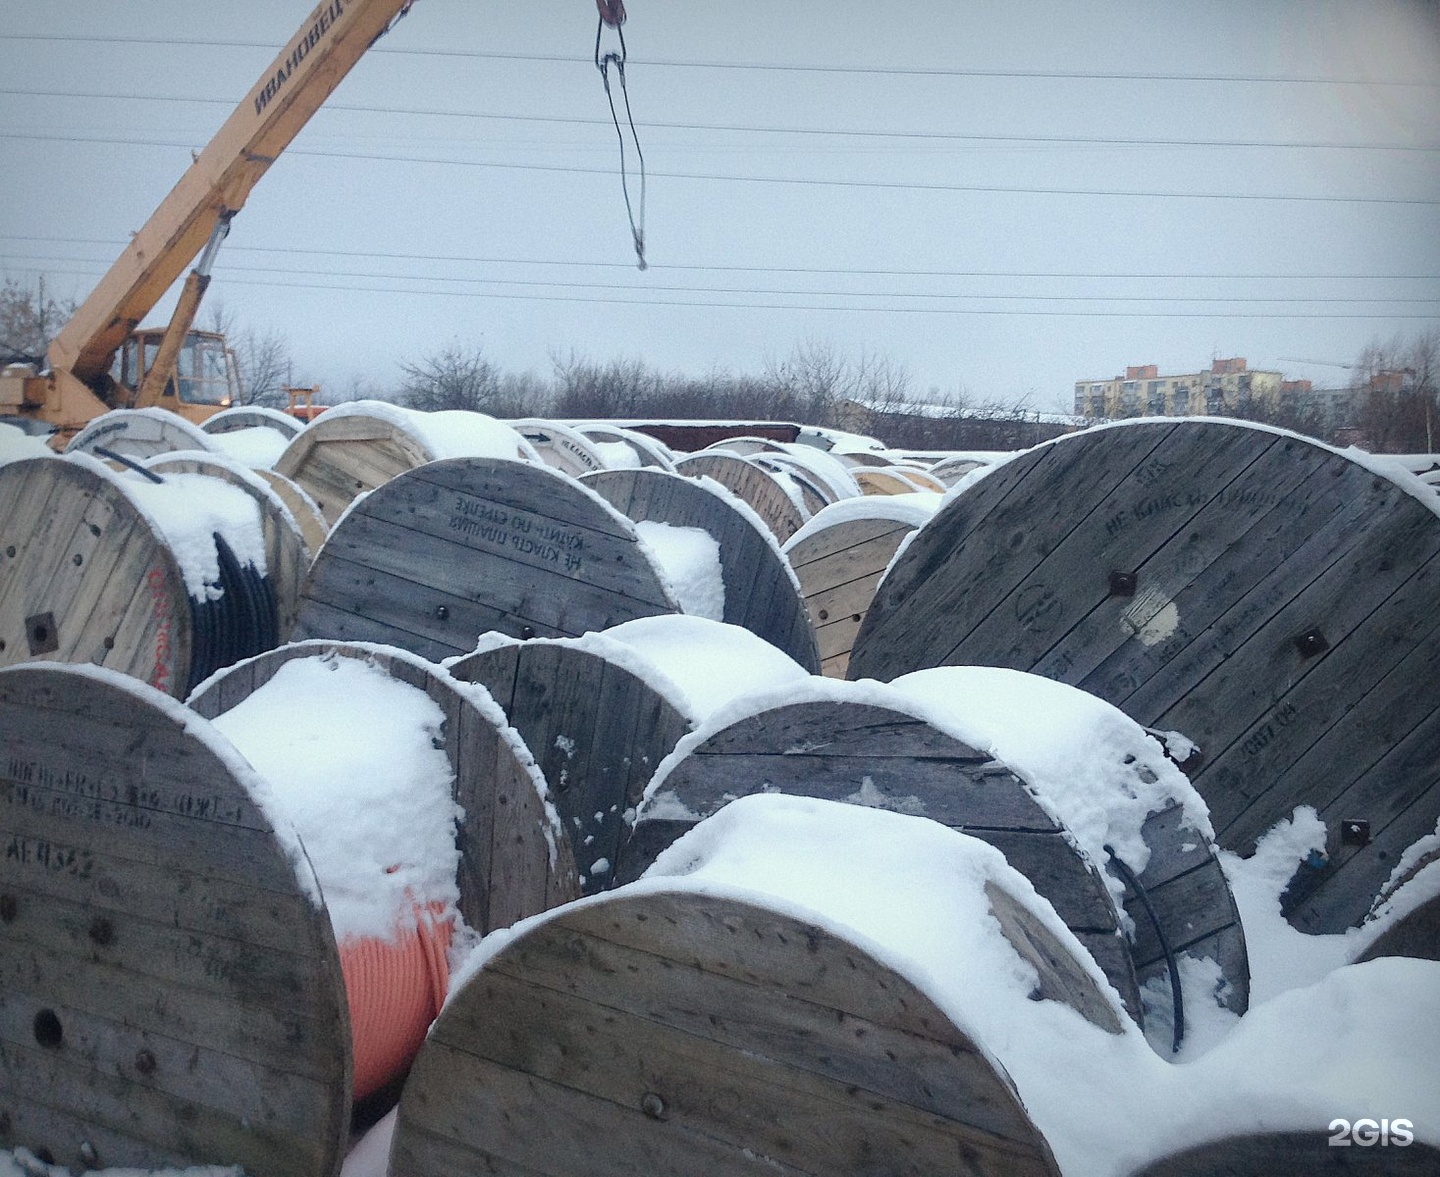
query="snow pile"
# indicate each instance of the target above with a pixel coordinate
(256, 446)
(689, 560)
(709, 663)
(616, 455)
(1097, 770)
(914, 509)
(16, 444)
(449, 433)
(357, 760)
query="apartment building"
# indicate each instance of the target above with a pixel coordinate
(1229, 386)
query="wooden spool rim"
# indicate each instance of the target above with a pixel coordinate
(560, 446)
(715, 1056)
(1294, 649)
(761, 592)
(207, 1022)
(448, 551)
(140, 433)
(106, 586)
(649, 450)
(782, 514)
(249, 416)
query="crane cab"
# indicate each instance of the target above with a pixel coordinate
(205, 378)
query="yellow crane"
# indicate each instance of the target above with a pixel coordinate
(178, 367)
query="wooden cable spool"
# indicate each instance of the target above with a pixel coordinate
(761, 594)
(647, 451)
(251, 417)
(886, 758)
(559, 446)
(747, 481)
(251, 434)
(287, 555)
(1269, 597)
(840, 563)
(456, 548)
(303, 509)
(597, 729)
(514, 862)
(170, 990)
(88, 575)
(686, 1033)
(357, 447)
(951, 470)
(140, 433)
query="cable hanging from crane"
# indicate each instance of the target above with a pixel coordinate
(612, 13)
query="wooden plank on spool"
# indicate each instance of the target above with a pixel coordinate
(597, 731)
(839, 569)
(1294, 1154)
(85, 578)
(305, 510)
(336, 457)
(749, 482)
(152, 1008)
(561, 447)
(508, 870)
(888, 759)
(459, 547)
(139, 433)
(760, 592)
(1267, 599)
(287, 558)
(1415, 934)
(742, 1041)
(239, 417)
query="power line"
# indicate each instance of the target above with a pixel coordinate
(758, 129)
(777, 67)
(801, 181)
(727, 267)
(512, 296)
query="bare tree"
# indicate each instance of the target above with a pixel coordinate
(1397, 385)
(30, 317)
(263, 359)
(456, 378)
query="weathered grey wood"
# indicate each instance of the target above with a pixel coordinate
(508, 869)
(952, 470)
(648, 451)
(597, 731)
(305, 510)
(287, 557)
(561, 447)
(1282, 616)
(1416, 934)
(839, 568)
(456, 548)
(139, 433)
(1294, 1154)
(888, 759)
(741, 1041)
(85, 578)
(749, 482)
(814, 494)
(165, 1007)
(760, 594)
(250, 417)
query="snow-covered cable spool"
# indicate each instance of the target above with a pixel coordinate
(625, 449)
(140, 433)
(791, 992)
(252, 434)
(598, 717)
(172, 993)
(840, 556)
(952, 469)
(560, 446)
(164, 580)
(862, 744)
(767, 497)
(1272, 598)
(355, 447)
(420, 808)
(456, 548)
(760, 592)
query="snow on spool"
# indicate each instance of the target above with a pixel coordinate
(170, 990)
(825, 740)
(163, 577)
(770, 1000)
(840, 556)
(625, 449)
(757, 588)
(287, 555)
(453, 549)
(1271, 598)
(598, 719)
(252, 434)
(356, 447)
(303, 509)
(1305, 1154)
(139, 434)
(421, 810)
(783, 515)
(952, 469)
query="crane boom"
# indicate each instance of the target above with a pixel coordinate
(330, 41)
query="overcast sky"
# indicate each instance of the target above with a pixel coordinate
(1001, 198)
